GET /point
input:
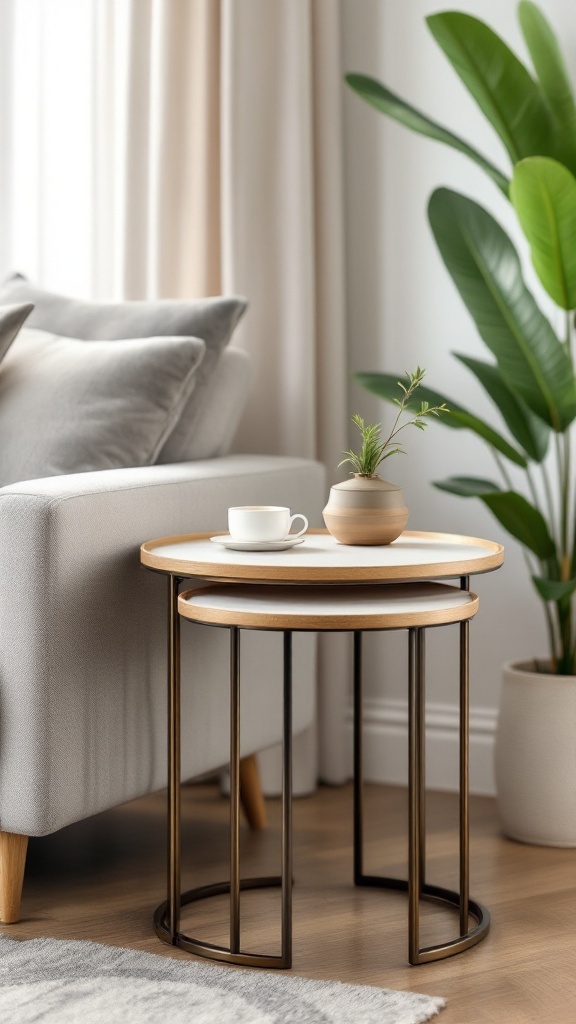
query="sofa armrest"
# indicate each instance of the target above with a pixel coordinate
(83, 655)
(270, 469)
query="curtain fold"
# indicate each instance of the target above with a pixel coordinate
(283, 247)
(156, 196)
(6, 123)
(190, 147)
(268, 212)
(185, 179)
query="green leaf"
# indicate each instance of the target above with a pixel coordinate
(518, 517)
(467, 486)
(486, 269)
(522, 521)
(553, 76)
(501, 85)
(387, 102)
(544, 195)
(554, 590)
(385, 386)
(530, 431)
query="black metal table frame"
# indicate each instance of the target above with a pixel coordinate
(167, 915)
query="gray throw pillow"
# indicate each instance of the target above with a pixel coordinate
(11, 320)
(69, 407)
(213, 320)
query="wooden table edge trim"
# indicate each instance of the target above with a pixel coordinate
(274, 620)
(325, 574)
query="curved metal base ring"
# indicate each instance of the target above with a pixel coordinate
(207, 949)
(437, 894)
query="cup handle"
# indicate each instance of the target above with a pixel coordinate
(293, 536)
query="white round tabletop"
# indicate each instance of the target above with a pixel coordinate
(320, 608)
(320, 559)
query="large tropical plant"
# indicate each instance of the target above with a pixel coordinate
(530, 378)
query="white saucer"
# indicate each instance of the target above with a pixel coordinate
(251, 545)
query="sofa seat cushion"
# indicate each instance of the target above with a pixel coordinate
(69, 407)
(212, 319)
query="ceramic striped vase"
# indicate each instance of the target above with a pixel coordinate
(365, 510)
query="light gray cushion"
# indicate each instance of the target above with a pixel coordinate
(226, 395)
(213, 320)
(69, 407)
(11, 320)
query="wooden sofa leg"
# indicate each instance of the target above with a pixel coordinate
(251, 793)
(13, 849)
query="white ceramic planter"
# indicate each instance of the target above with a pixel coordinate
(535, 757)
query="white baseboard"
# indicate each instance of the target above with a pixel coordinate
(386, 744)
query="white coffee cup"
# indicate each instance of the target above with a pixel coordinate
(263, 523)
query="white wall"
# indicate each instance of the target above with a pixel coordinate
(403, 310)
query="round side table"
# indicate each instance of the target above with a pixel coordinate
(321, 586)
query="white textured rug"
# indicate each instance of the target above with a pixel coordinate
(49, 981)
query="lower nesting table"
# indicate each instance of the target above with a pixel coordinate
(363, 594)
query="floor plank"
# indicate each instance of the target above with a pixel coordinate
(100, 880)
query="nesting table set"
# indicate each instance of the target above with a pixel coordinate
(322, 586)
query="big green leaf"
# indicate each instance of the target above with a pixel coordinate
(501, 85)
(522, 521)
(516, 515)
(554, 590)
(486, 269)
(553, 76)
(543, 192)
(531, 432)
(387, 102)
(386, 386)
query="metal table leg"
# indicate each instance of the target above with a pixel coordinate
(174, 801)
(416, 885)
(167, 915)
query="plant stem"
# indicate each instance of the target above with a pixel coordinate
(560, 639)
(568, 454)
(564, 615)
(564, 606)
(534, 492)
(570, 510)
(551, 633)
(567, 468)
(395, 431)
(545, 571)
(563, 484)
(531, 566)
(504, 472)
(550, 503)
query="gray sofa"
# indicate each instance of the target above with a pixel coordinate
(83, 628)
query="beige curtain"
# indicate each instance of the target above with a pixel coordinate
(249, 200)
(283, 247)
(157, 196)
(218, 125)
(200, 153)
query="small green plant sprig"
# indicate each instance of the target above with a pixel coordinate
(374, 450)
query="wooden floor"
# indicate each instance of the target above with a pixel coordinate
(101, 879)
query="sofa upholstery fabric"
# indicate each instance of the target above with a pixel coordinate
(83, 670)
